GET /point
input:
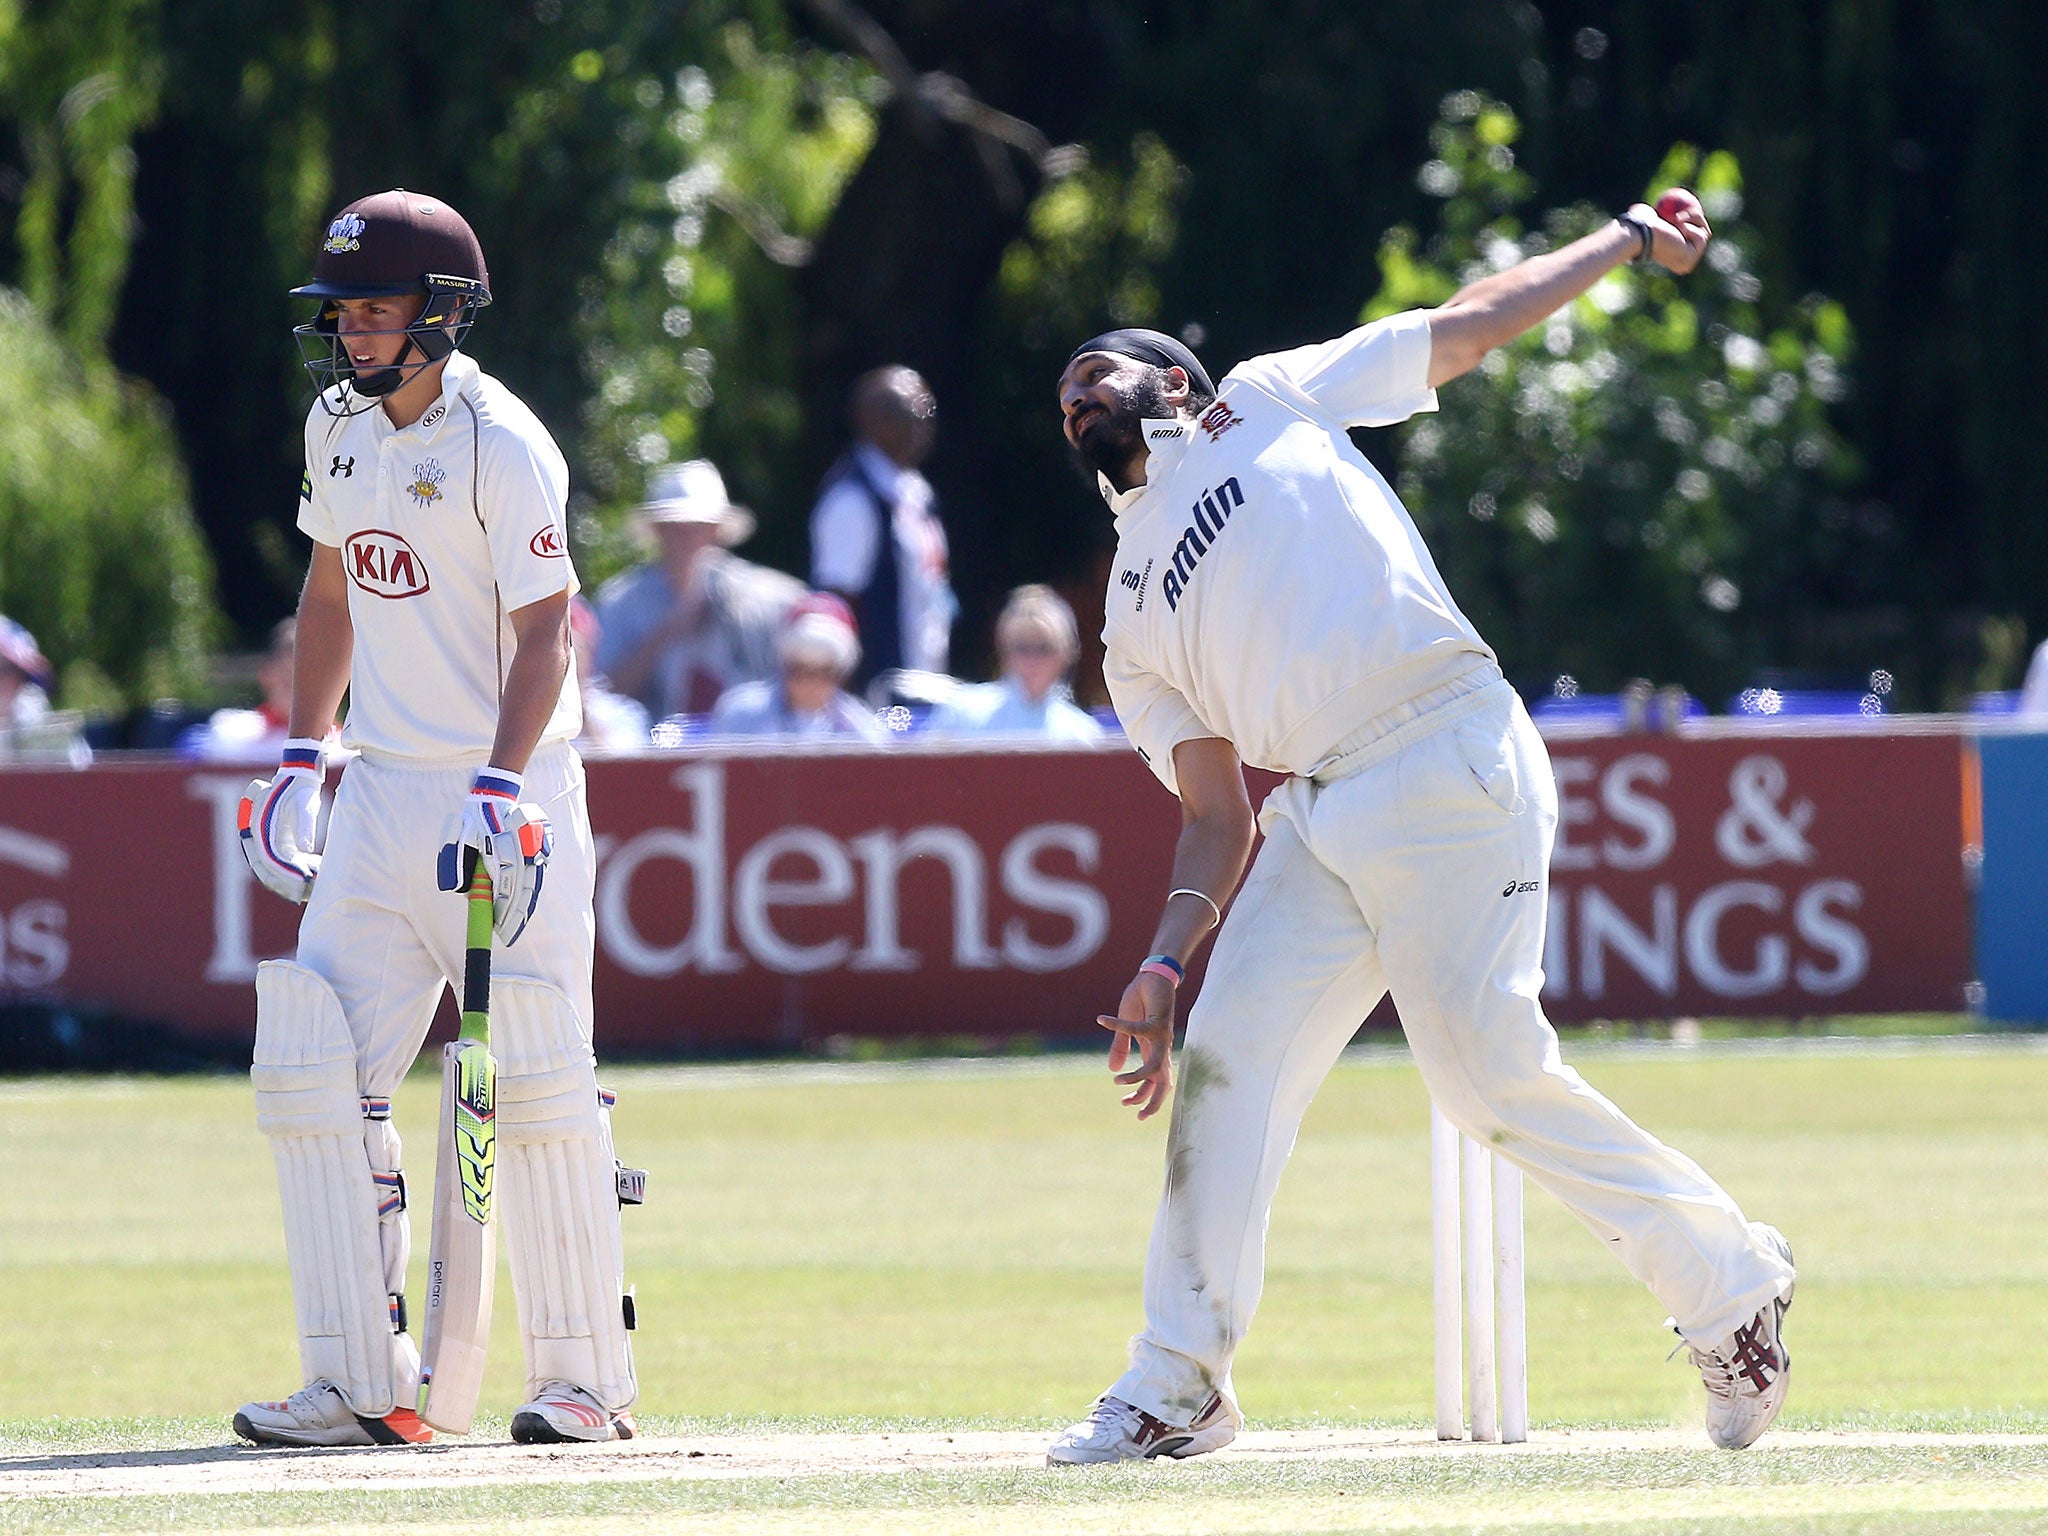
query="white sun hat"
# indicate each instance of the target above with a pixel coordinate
(695, 493)
(821, 629)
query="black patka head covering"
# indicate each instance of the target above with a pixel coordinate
(1155, 347)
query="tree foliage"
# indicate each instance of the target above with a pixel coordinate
(694, 302)
(646, 177)
(1648, 483)
(79, 78)
(99, 553)
(1092, 252)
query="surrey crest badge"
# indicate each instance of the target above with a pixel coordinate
(427, 476)
(344, 234)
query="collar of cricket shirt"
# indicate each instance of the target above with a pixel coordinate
(455, 377)
(1166, 441)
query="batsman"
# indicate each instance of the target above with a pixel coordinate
(437, 599)
(1273, 604)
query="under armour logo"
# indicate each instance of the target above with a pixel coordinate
(345, 469)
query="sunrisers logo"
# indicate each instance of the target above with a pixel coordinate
(384, 565)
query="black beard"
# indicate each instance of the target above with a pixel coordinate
(1116, 436)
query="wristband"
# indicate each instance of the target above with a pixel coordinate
(1165, 966)
(302, 754)
(1641, 230)
(500, 783)
(1189, 890)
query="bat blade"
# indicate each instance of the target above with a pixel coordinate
(462, 1259)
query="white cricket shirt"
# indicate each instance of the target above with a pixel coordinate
(1269, 588)
(445, 527)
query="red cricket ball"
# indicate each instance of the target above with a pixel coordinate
(1668, 206)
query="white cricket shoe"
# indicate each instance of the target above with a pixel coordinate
(1117, 1431)
(563, 1411)
(1747, 1375)
(317, 1414)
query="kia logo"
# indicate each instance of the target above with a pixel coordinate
(384, 565)
(548, 542)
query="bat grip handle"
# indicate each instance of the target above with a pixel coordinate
(476, 969)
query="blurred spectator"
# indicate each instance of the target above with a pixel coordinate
(30, 731)
(818, 652)
(2034, 692)
(611, 721)
(695, 620)
(252, 735)
(876, 539)
(1036, 644)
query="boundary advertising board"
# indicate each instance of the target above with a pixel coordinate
(765, 899)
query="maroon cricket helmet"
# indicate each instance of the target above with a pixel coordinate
(386, 244)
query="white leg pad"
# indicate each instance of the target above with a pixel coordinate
(558, 1193)
(308, 1104)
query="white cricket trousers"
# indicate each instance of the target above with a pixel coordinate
(1419, 864)
(388, 940)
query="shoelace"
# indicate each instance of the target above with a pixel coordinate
(307, 1398)
(1115, 1416)
(1716, 1371)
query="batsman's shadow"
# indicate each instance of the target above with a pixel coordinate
(199, 1455)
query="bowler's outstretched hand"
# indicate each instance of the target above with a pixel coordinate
(1143, 1019)
(1678, 230)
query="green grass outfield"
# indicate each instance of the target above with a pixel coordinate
(932, 1245)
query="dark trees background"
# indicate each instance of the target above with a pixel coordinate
(1241, 164)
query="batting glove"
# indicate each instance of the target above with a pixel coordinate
(277, 817)
(514, 839)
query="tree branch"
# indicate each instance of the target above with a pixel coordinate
(935, 94)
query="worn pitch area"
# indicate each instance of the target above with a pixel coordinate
(469, 1464)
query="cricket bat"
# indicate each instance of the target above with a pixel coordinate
(462, 1261)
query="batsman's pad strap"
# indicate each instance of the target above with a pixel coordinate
(558, 1195)
(394, 1232)
(308, 1104)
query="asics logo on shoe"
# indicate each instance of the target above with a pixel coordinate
(1753, 1357)
(1162, 1439)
